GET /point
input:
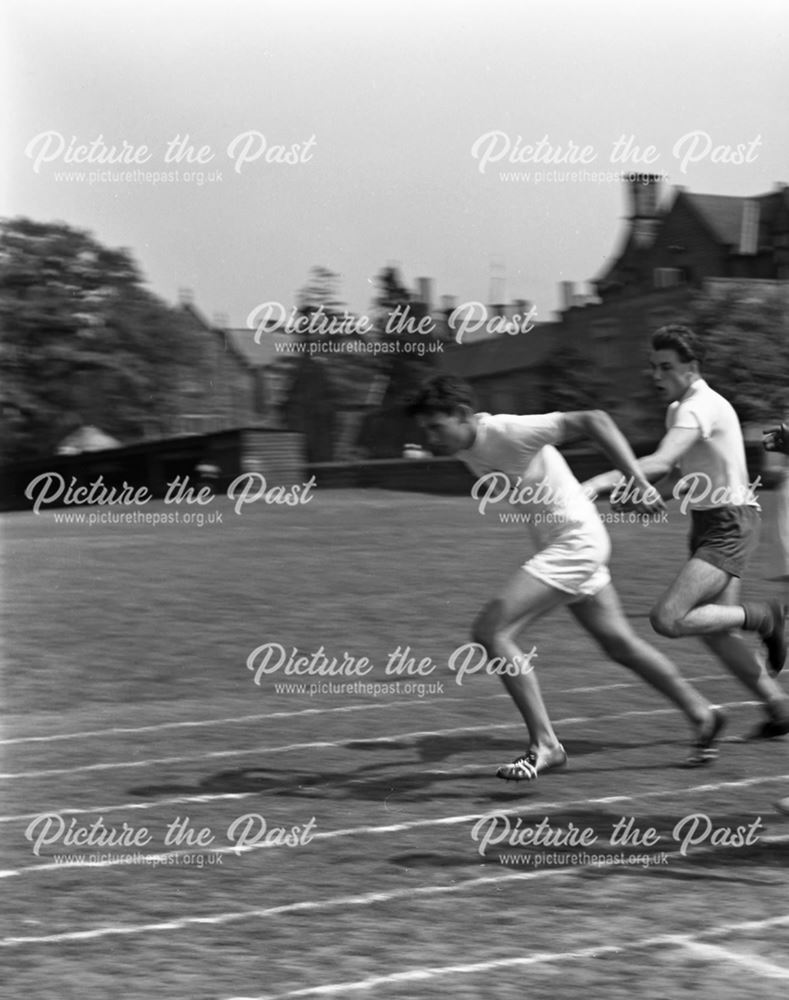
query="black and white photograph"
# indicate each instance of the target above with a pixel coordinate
(394, 499)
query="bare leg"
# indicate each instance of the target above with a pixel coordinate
(692, 605)
(602, 616)
(703, 601)
(523, 598)
(733, 650)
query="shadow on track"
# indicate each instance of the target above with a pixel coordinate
(406, 780)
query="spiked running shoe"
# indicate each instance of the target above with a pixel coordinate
(533, 763)
(704, 750)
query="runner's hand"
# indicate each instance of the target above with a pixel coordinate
(643, 498)
(777, 439)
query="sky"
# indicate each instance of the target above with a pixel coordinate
(472, 142)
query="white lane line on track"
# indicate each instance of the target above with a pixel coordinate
(312, 906)
(121, 730)
(231, 720)
(223, 754)
(176, 800)
(360, 831)
(426, 973)
(328, 744)
(753, 963)
(465, 769)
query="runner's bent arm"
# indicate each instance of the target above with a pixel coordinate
(656, 466)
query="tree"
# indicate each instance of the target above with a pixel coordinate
(570, 382)
(81, 340)
(406, 362)
(398, 317)
(744, 327)
(328, 390)
(321, 290)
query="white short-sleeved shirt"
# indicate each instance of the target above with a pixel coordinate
(715, 466)
(521, 447)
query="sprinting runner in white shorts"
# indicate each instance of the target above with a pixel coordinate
(571, 564)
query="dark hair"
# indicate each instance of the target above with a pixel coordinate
(681, 339)
(441, 394)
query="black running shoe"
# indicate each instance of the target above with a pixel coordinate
(770, 729)
(775, 640)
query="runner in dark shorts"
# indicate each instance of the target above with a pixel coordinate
(725, 537)
(701, 461)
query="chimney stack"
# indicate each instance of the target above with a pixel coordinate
(566, 294)
(644, 194)
(749, 228)
(425, 293)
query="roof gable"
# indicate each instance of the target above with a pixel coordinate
(722, 214)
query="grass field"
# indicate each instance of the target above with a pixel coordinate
(129, 707)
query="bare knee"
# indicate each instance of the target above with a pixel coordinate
(486, 627)
(665, 621)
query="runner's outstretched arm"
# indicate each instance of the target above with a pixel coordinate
(600, 428)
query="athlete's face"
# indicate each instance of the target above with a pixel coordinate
(448, 433)
(671, 375)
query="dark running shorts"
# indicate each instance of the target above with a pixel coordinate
(726, 537)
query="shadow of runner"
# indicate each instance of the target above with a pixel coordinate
(375, 783)
(407, 780)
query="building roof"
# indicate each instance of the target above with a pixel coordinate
(728, 216)
(191, 310)
(740, 224)
(722, 213)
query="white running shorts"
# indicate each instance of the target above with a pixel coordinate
(576, 562)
